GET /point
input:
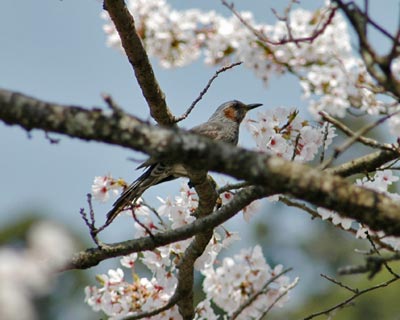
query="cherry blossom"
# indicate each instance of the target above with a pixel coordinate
(104, 185)
(332, 78)
(232, 283)
(336, 219)
(114, 296)
(204, 311)
(129, 261)
(29, 273)
(248, 211)
(283, 132)
(118, 297)
(379, 182)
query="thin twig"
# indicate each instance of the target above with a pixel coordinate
(92, 222)
(299, 205)
(204, 91)
(381, 29)
(384, 261)
(314, 214)
(234, 186)
(84, 217)
(111, 103)
(350, 133)
(357, 135)
(286, 19)
(154, 210)
(284, 293)
(389, 166)
(326, 132)
(174, 299)
(350, 299)
(366, 163)
(260, 36)
(51, 140)
(254, 296)
(373, 265)
(377, 65)
(296, 144)
(146, 228)
(340, 284)
(291, 117)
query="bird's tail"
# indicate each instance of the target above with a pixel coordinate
(131, 194)
(155, 174)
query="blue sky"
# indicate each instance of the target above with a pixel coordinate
(55, 50)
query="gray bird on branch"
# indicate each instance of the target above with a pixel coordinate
(223, 125)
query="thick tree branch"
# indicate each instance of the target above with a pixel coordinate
(364, 164)
(205, 188)
(376, 210)
(186, 273)
(91, 257)
(139, 60)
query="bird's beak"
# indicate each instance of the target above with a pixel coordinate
(253, 106)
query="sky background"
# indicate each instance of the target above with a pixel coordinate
(55, 50)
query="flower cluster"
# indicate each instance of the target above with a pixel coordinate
(282, 132)
(245, 275)
(104, 185)
(29, 273)
(117, 297)
(333, 79)
(228, 286)
(168, 34)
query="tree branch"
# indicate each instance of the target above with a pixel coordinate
(378, 66)
(93, 256)
(277, 175)
(137, 56)
(367, 163)
(204, 91)
(356, 135)
(351, 298)
(205, 188)
(320, 29)
(255, 295)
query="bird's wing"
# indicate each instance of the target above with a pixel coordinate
(216, 131)
(212, 130)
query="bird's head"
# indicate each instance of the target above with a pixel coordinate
(233, 110)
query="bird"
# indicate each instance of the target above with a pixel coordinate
(223, 125)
